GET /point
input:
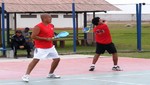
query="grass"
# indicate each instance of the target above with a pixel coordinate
(124, 38)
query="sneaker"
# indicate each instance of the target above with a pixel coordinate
(53, 76)
(117, 68)
(92, 68)
(25, 78)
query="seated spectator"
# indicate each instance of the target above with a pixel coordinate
(18, 42)
(27, 36)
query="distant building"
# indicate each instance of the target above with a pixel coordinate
(60, 20)
(120, 17)
(63, 20)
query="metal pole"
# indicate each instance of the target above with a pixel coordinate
(74, 26)
(85, 24)
(8, 34)
(77, 28)
(139, 30)
(93, 14)
(137, 21)
(93, 32)
(15, 22)
(138, 16)
(3, 28)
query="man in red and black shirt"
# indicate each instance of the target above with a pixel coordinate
(103, 42)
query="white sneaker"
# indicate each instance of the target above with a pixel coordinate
(117, 68)
(25, 78)
(53, 76)
(92, 68)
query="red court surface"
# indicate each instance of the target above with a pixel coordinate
(11, 70)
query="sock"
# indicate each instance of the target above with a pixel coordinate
(93, 65)
(27, 75)
(115, 65)
(50, 73)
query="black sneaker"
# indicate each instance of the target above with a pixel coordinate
(92, 68)
(117, 68)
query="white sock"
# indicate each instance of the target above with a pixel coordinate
(93, 65)
(50, 73)
(115, 65)
(26, 75)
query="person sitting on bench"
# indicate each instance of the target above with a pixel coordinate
(27, 36)
(18, 42)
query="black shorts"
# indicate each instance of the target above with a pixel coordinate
(100, 48)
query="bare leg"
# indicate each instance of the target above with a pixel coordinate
(95, 59)
(32, 65)
(115, 58)
(54, 65)
(115, 61)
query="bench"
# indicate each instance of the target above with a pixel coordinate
(80, 40)
(61, 41)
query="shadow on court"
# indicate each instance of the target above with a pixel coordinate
(74, 71)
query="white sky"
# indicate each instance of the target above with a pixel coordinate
(129, 6)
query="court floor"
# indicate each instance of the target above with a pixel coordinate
(74, 71)
(116, 78)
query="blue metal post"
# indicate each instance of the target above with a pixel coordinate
(3, 27)
(138, 16)
(139, 30)
(74, 26)
(137, 20)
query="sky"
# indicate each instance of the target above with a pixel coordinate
(129, 6)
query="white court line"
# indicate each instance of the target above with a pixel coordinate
(87, 78)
